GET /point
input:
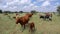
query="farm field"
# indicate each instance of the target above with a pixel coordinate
(8, 26)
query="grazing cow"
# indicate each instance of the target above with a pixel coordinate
(41, 16)
(48, 16)
(32, 26)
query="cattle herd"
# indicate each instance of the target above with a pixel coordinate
(46, 16)
(25, 20)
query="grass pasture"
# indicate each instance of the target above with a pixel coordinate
(8, 26)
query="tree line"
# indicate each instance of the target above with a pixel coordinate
(33, 11)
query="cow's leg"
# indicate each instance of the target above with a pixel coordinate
(24, 26)
(47, 17)
(34, 27)
(30, 30)
(50, 19)
(44, 17)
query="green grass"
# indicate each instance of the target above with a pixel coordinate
(8, 26)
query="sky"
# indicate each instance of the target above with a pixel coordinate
(28, 5)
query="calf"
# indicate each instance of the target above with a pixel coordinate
(32, 26)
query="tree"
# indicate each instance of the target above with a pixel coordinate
(20, 11)
(15, 12)
(58, 10)
(7, 12)
(0, 11)
(33, 11)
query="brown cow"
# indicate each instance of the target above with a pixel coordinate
(48, 16)
(22, 20)
(32, 26)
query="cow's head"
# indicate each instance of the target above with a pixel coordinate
(17, 22)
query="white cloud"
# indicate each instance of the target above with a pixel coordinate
(34, 2)
(18, 3)
(46, 3)
(12, 7)
(40, 0)
(12, 2)
(26, 5)
(24, 1)
(45, 0)
(3, 6)
(51, 0)
(30, 7)
(31, 4)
